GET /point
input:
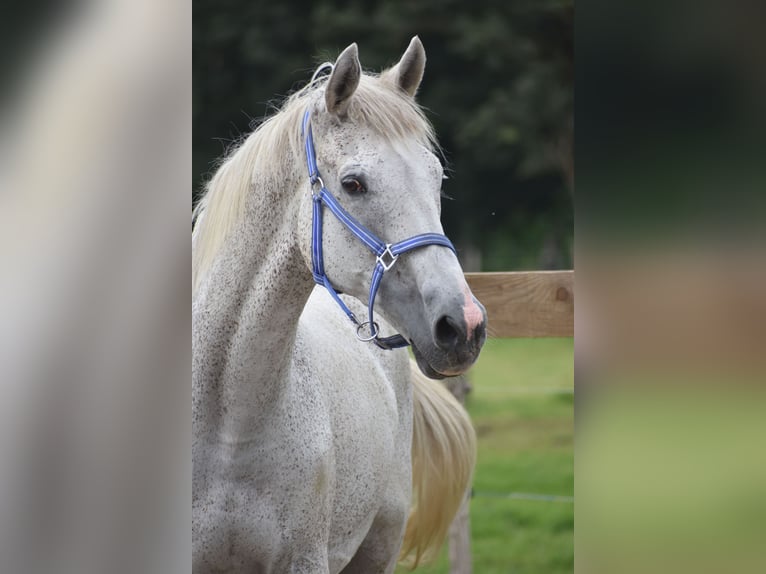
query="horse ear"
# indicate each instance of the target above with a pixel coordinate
(343, 81)
(408, 73)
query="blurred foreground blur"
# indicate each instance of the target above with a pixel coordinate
(94, 350)
(671, 277)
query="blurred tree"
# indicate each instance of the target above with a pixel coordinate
(498, 88)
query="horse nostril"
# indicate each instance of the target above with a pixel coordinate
(447, 333)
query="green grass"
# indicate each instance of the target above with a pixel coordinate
(522, 409)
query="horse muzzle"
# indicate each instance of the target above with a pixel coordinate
(457, 336)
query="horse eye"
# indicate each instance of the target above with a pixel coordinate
(352, 185)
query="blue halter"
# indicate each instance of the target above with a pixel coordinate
(386, 254)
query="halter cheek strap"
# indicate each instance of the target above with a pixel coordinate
(386, 254)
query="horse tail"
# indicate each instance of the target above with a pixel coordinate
(443, 457)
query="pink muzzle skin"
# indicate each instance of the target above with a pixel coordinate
(471, 313)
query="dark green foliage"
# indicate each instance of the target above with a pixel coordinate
(498, 85)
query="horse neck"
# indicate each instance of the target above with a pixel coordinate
(245, 318)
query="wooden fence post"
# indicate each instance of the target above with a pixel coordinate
(460, 541)
(460, 529)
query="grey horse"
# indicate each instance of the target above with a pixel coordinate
(313, 451)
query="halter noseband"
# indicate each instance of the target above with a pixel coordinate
(386, 254)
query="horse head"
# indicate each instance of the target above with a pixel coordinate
(375, 166)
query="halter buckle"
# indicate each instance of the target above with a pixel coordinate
(387, 263)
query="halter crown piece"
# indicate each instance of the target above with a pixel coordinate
(386, 254)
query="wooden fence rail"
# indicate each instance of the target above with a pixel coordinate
(526, 303)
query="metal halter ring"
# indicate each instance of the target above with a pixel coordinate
(376, 332)
(317, 181)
